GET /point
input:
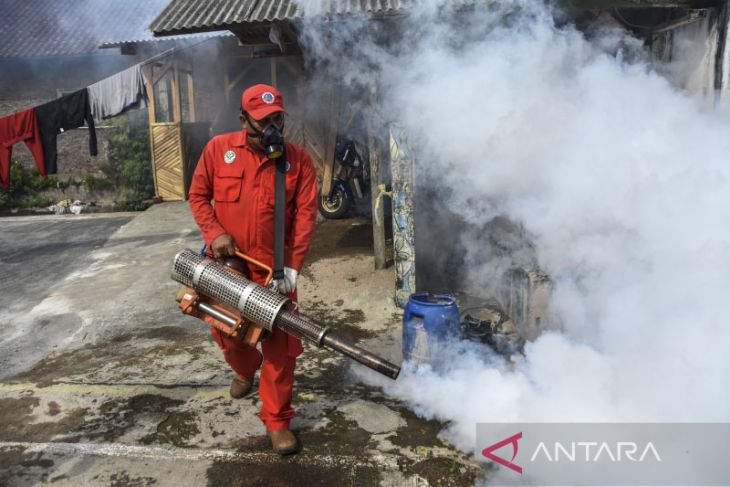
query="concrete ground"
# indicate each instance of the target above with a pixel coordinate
(104, 382)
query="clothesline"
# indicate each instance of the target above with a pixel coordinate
(38, 127)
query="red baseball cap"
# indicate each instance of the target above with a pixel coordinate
(260, 101)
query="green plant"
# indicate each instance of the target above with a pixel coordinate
(25, 188)
(37, 201)
(133, 204)
(95, 183)
(129, 167)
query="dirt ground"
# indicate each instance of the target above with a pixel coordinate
(137, 394)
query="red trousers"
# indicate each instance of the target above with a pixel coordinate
(277, 371)
(19, 127)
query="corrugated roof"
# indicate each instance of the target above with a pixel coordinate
(182, 16)
(272, 10)
(151, 38)
(62, 27)
(194, 15)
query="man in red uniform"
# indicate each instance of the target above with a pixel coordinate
(235, 172)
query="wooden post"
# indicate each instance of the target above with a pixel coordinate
(162, 72)
(331, 139)
(274, 77)
(191, 97)
(226, 84)
(150, 87)
(230, 83)
(722, 34)
(377, 188)
(170, 115)
(176, 105)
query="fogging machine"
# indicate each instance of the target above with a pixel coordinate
(218, 292)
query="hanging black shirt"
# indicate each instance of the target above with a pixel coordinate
(68, 112)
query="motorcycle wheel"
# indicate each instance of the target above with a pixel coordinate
(336, 206)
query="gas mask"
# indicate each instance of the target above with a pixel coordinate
(272, 139)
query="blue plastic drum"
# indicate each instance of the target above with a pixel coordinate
(428, 322)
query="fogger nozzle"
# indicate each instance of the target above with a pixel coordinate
(265, 307)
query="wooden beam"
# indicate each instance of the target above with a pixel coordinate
(184, 65)
(226, 84)
(163, 71)
(149, 87)
(311, 142)
(170, 102)
(191, 97)
(377, 188)
(231, 83)
(176, 102)
(181, 158)
(151, 116)
(354, 109)
(693, 16)
(331, 139)
(722, 34)
(274, 77)
(295, 69)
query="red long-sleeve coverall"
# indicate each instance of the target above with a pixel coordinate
(241, 182)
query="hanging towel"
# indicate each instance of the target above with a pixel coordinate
(19, 127)
(116, 94)
(66, 113)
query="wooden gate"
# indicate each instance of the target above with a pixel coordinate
(167, 160)
(169, 84)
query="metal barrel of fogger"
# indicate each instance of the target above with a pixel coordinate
(300, 326)
(265, 307)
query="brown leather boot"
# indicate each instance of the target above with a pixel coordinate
(240, 386)
(284, 442)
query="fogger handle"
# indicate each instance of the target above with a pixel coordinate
(269, 270)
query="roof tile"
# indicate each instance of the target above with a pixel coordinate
(182, 16)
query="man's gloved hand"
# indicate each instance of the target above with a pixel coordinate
(288, 284)
(223, 246)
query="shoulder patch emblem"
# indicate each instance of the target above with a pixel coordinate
(288, 166)
(229, 157)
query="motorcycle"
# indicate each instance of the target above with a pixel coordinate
(349, 183)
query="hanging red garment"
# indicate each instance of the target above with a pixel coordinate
(19, 127)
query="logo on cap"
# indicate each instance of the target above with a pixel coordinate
(229, 157)
(268, 97)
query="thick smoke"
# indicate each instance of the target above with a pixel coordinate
(620, 181)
